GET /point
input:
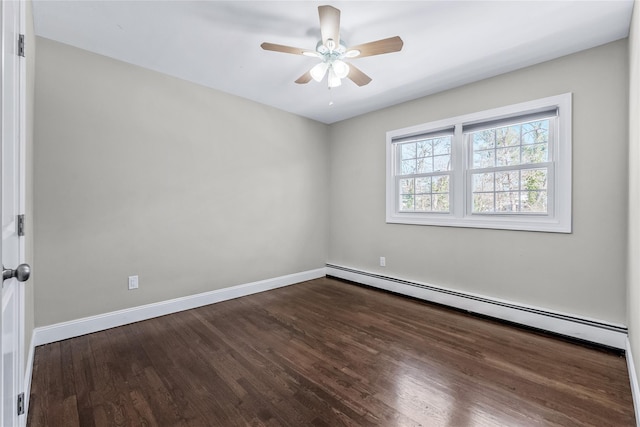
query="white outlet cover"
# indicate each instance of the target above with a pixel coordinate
(133, 282)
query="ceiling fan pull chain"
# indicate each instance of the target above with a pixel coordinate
(330, 97)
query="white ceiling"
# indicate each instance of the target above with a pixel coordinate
(446, 43)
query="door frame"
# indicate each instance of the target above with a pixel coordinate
(22, 163)
(19, 377)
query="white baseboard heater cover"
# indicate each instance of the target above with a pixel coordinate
(595, 331)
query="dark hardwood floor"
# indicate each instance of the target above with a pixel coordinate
(326, 353)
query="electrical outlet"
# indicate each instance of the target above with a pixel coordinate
(383, 261)
(133, 282)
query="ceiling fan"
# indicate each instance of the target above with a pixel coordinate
(332, 52)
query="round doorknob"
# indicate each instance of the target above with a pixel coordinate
(21, 273)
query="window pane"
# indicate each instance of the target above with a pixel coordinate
(441, 184)
(483, 202)
(483, 139)
(534, 201)
(408, 150)
(441, 163)
(484, 159)
(442, 146)
(406, 203)
(423, 185)
(507, 202)
(508, 136)
(508, 181)
(425, 165)
(406, 186)
(408, 167)
(508, 156)
(534, 179)
(424, 149)
(423, 203)
(535, 153)
(441, 203)
(535, 132)
(483, 182)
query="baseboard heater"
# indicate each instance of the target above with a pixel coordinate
(576, 327)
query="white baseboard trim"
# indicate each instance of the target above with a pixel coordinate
(633, 379)
(87, 325)
(27, 381)
(592, 330)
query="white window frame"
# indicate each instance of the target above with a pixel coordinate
(558, 217)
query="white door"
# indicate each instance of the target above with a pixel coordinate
(11, 188)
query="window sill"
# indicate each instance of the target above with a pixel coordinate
(495, 222)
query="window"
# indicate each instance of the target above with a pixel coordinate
(509, 167)
(425, 167)
(506, 168)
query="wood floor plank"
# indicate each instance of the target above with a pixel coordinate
(326, 353)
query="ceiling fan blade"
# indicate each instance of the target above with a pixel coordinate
(285, 49)
(392, 44)
(357, 76)
(305, 78)
(329, 24)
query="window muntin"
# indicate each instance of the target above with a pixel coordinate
(423, 182)
(516, 176)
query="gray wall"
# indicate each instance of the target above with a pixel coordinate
(189, 188)
(194, 190)
(633, 300)
(583, 273)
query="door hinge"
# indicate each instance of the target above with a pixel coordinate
(21, 404)
(21, 225)
(21, 45)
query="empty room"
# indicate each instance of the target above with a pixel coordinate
(301, 213)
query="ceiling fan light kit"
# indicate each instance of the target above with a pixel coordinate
(332, 52)
(340, 68)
